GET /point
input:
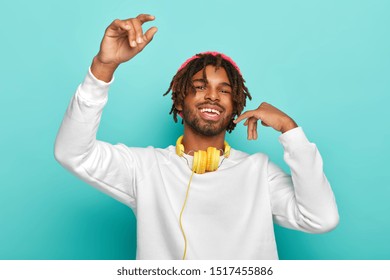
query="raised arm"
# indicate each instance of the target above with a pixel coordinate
(110, 168)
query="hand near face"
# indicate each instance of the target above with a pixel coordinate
(123, 39)
(269, 116)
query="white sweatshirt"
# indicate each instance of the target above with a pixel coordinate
(229, 213)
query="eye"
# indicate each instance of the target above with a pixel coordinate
(225, 91)
(200, 87)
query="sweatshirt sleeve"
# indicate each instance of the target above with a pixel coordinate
(107, 167)
(304, 200)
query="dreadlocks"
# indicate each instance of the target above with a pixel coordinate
(181, 83)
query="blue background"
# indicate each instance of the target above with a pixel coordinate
(326, 63)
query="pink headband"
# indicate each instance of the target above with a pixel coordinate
(225, 57)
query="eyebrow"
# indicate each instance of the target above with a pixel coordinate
(205, 81)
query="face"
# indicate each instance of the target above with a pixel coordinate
(209, 110)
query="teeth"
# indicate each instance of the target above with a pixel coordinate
(210, 111)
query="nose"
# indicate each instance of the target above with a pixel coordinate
(212, 94)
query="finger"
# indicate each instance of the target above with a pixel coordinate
(255, 135)
(129, 27)
(248, 132)
(244, 115)
(149, 34)
(148, 37)
(119, 25)
(251, 128)
(145, 18)
(254, 129)
(138, 31)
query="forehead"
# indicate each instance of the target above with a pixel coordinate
(213, 74)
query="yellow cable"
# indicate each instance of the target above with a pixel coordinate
(181, 214)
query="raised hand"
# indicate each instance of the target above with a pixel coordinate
(269, 116)
(123, 39)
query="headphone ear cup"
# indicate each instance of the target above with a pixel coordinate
(200, 162)
(212, 159)
(203, 162)
(210, 154)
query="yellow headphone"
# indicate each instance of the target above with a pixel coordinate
(204, 160)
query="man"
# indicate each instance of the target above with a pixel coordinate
(200, 199)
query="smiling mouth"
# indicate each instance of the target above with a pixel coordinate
(210, 111)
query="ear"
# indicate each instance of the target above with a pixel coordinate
(179, 107)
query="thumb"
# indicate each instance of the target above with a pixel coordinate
(149, 34)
